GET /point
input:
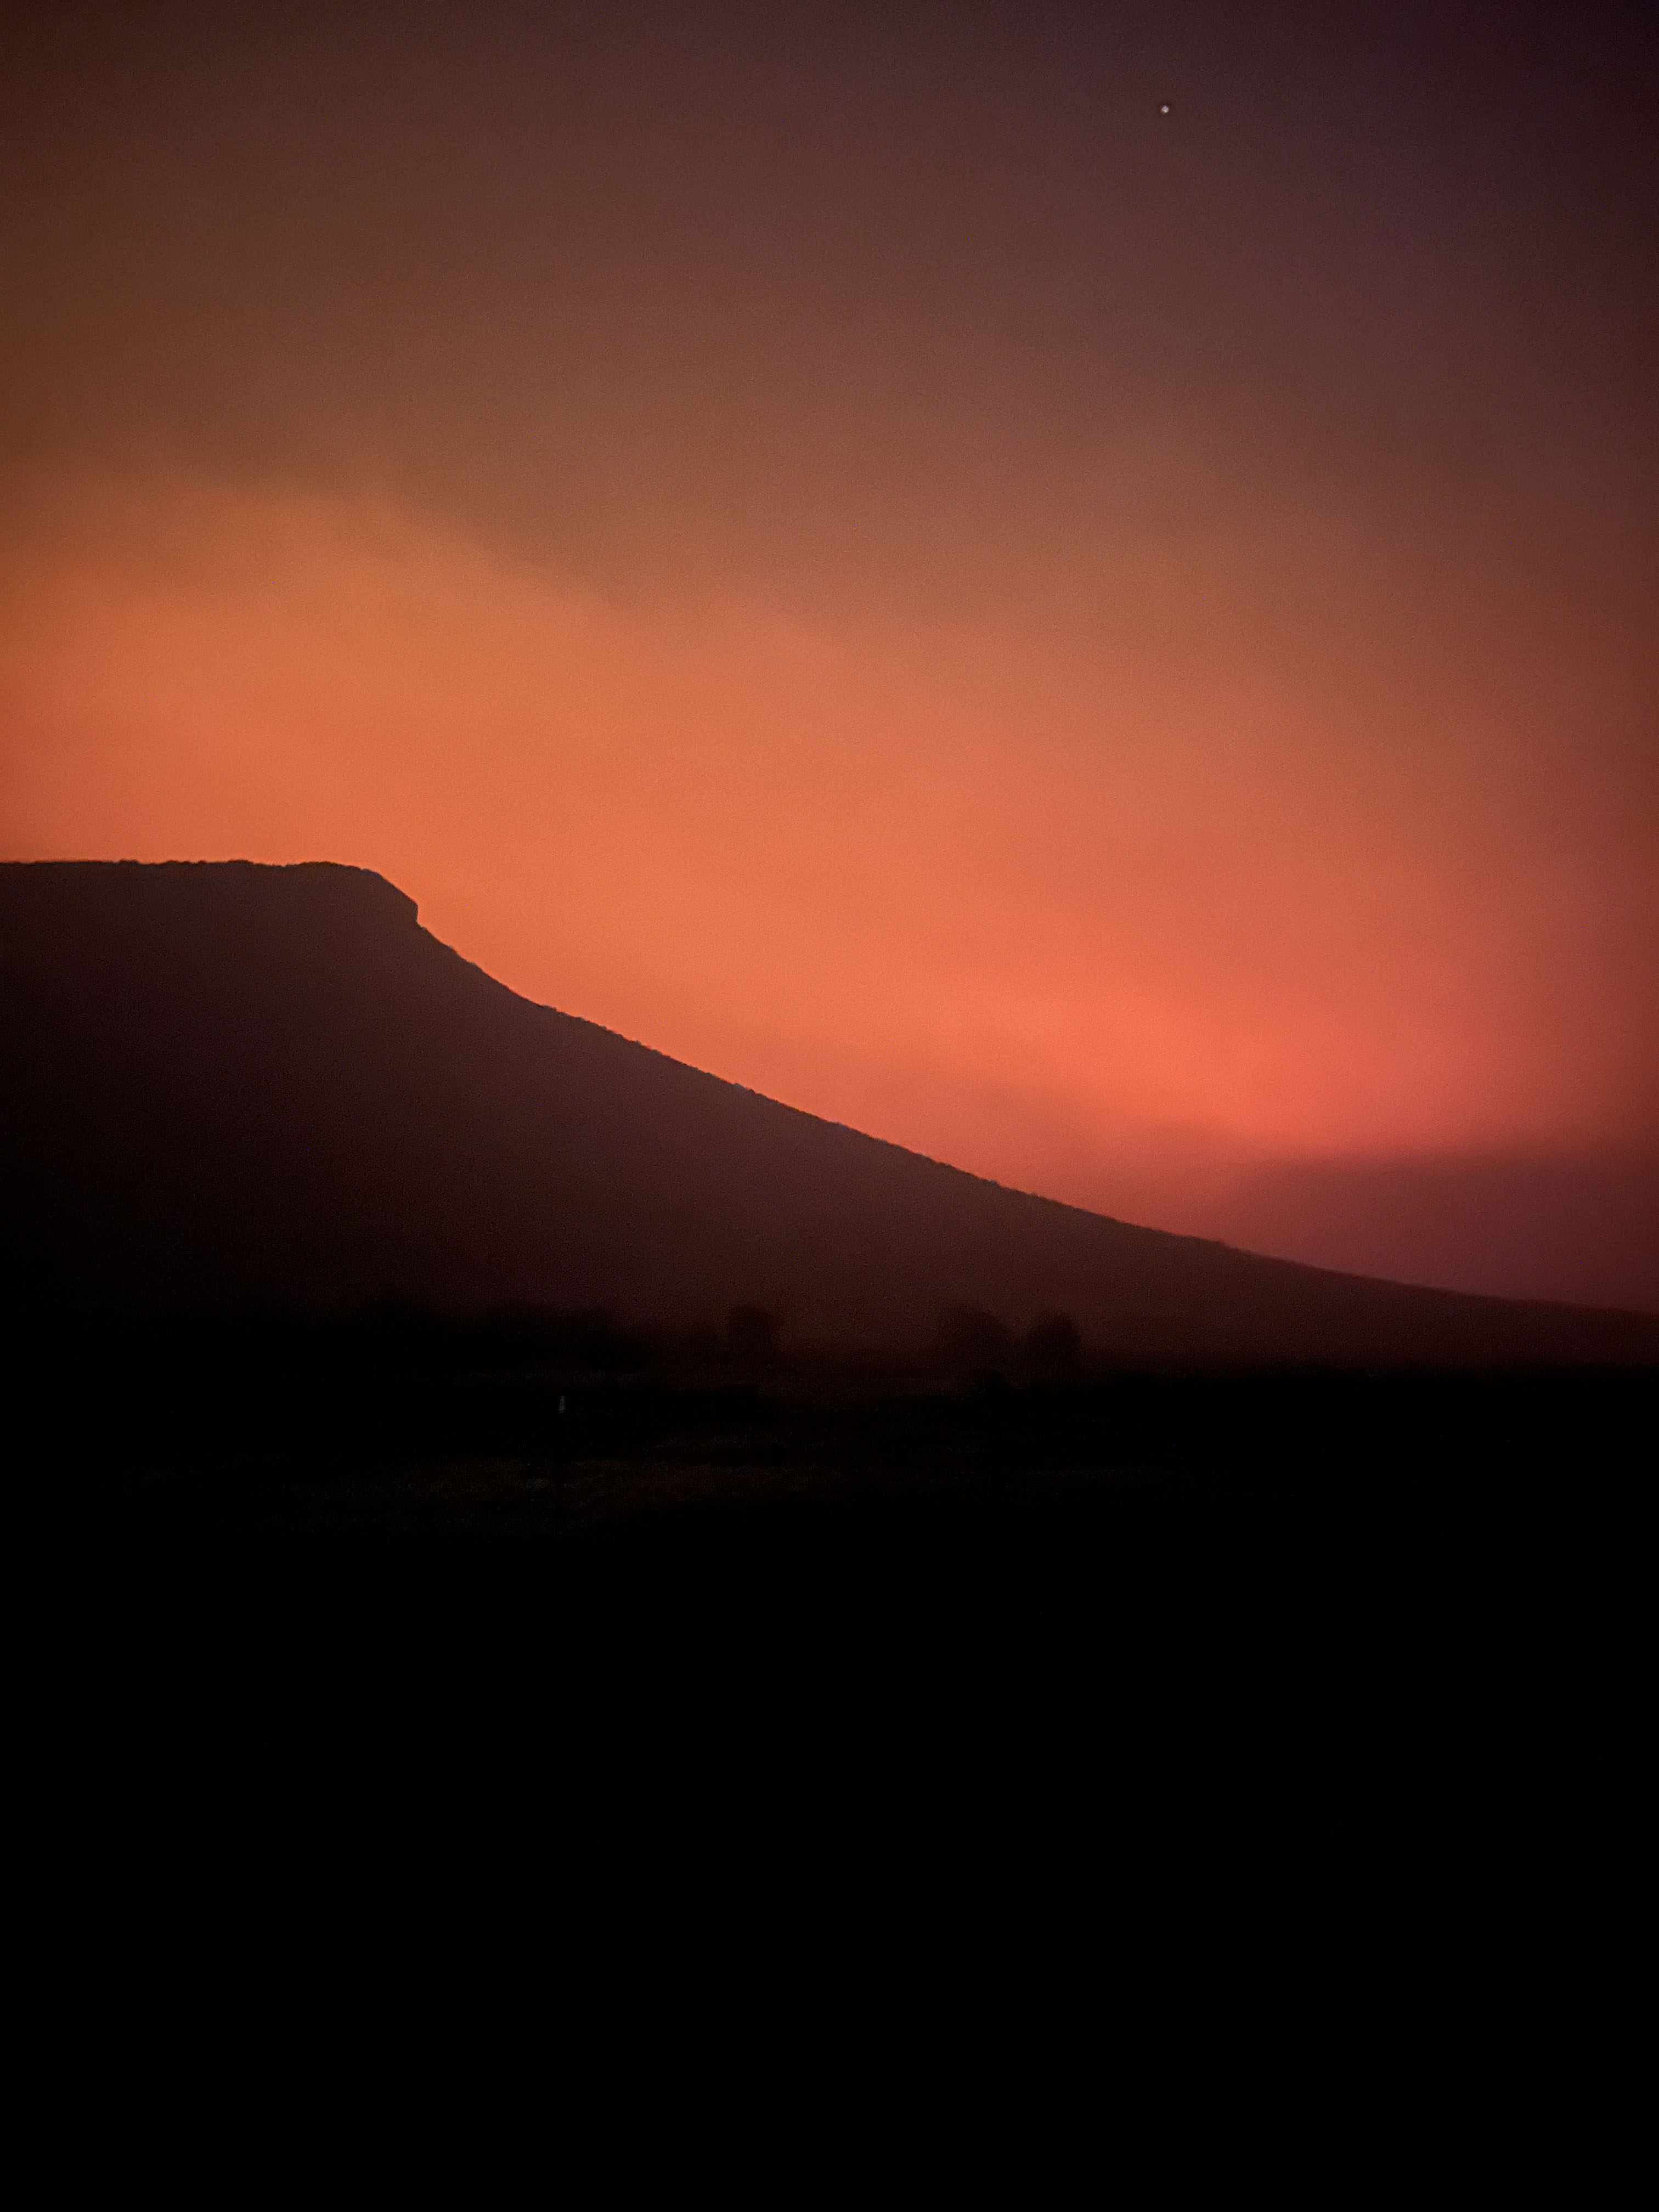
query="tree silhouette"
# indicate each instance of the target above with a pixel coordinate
(1053, 1350)
(752, 1333)
(972, 1344)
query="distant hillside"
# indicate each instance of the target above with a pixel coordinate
(228, 1084)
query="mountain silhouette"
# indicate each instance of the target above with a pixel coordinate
(230, 1085)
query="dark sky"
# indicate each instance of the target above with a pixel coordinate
(1074, 586)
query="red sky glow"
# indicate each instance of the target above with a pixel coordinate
(1007, 641)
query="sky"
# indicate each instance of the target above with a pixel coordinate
(1074, 587)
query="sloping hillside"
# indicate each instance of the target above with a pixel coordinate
(230, 1083)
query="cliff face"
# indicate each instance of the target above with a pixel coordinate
(228, 1084)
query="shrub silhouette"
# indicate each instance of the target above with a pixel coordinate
(1053, 1350)
(972, 1344)
(752, 1333)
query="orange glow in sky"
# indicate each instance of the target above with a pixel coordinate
(1079, 596)
(1026, 900)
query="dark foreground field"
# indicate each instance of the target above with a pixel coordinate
(386, 1545)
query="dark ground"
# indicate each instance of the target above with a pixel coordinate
(382, 1551)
